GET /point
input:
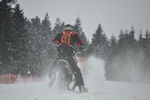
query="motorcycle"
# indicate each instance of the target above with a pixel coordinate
(63, 74)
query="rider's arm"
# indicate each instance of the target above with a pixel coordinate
(78, 42)
(56, 40)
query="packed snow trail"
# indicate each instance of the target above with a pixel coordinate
(99, 89)
(109, 91)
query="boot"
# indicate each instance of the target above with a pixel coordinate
(82, 89)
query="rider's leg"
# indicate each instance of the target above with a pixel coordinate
(77, 74)
(76, 71)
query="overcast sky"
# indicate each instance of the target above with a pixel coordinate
(113, 15)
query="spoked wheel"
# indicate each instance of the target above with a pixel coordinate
(65, 75)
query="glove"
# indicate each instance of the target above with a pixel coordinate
(81, 48)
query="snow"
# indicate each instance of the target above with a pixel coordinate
(109, 91)
(99, 88)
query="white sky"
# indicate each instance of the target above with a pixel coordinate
(113, 15)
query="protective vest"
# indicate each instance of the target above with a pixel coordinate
(65, 39)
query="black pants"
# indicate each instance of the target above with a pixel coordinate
(76, 70)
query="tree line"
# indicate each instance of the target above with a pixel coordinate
(126, 57)
(26, 47)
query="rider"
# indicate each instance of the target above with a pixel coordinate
(66, 41)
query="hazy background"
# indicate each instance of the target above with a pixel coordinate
(25, 40)
(114, 15)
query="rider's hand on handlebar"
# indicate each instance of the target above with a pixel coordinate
(81, 48)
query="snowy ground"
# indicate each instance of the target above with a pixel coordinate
(109, 91)
(99, 89)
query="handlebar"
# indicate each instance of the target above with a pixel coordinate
(76, 50)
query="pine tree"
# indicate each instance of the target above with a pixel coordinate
(99, 44)
(77, 27)
(144, 44)
(34, 46)
(18, 40)
(62, 26)
(48, 49)
(57, 27)
(111, 54)
(84, 39)
(5, 35)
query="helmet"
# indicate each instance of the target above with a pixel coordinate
(68, 27)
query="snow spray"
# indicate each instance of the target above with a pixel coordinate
(95, 73)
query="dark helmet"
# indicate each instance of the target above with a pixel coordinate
(68, 27)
